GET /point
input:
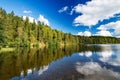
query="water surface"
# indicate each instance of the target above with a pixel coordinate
(85, 62)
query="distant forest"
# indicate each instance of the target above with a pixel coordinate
(15, 31)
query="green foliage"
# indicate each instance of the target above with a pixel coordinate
(15, 31)
(99, 40)
(3, 34)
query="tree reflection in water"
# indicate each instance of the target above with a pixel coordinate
(25, 62)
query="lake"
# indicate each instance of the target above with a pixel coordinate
(84, 62)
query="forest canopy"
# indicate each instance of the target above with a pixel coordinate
(15, 31)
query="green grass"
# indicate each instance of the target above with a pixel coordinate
(6, 50)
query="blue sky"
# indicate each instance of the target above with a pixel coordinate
(81, 17)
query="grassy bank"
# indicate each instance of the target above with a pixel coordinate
(6, 50)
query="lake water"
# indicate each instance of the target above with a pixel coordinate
(84, 62)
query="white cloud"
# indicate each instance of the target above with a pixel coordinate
(113, 25)
(31, 19)
(103, 33)
(43, 20)
(95, 11)
(63, 9)
(99, 33)
(27, 11)
(117, 36)
(86, 33)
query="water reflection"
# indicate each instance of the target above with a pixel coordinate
(85, 65)
(94, 71)
(13, 63)
(111, 55)
(87, 54)
(84, 62)
(31, 74)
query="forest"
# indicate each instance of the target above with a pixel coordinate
(17, 32)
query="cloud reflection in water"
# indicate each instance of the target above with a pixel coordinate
(93, 70)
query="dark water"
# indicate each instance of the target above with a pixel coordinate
(85, 62)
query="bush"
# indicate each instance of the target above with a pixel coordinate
(3, 45)
(11, 45)
(25, 44)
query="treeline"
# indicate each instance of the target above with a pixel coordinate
(99, 40)
(15, 31)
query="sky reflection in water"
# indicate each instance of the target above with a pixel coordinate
(87, 65)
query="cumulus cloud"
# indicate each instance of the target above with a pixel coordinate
(63, 9)
(99, 33)
(43, 20)
(86, 33)
(113, 25)
(27, 11)
(31, 19)
(94, 11)
(103, 33)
